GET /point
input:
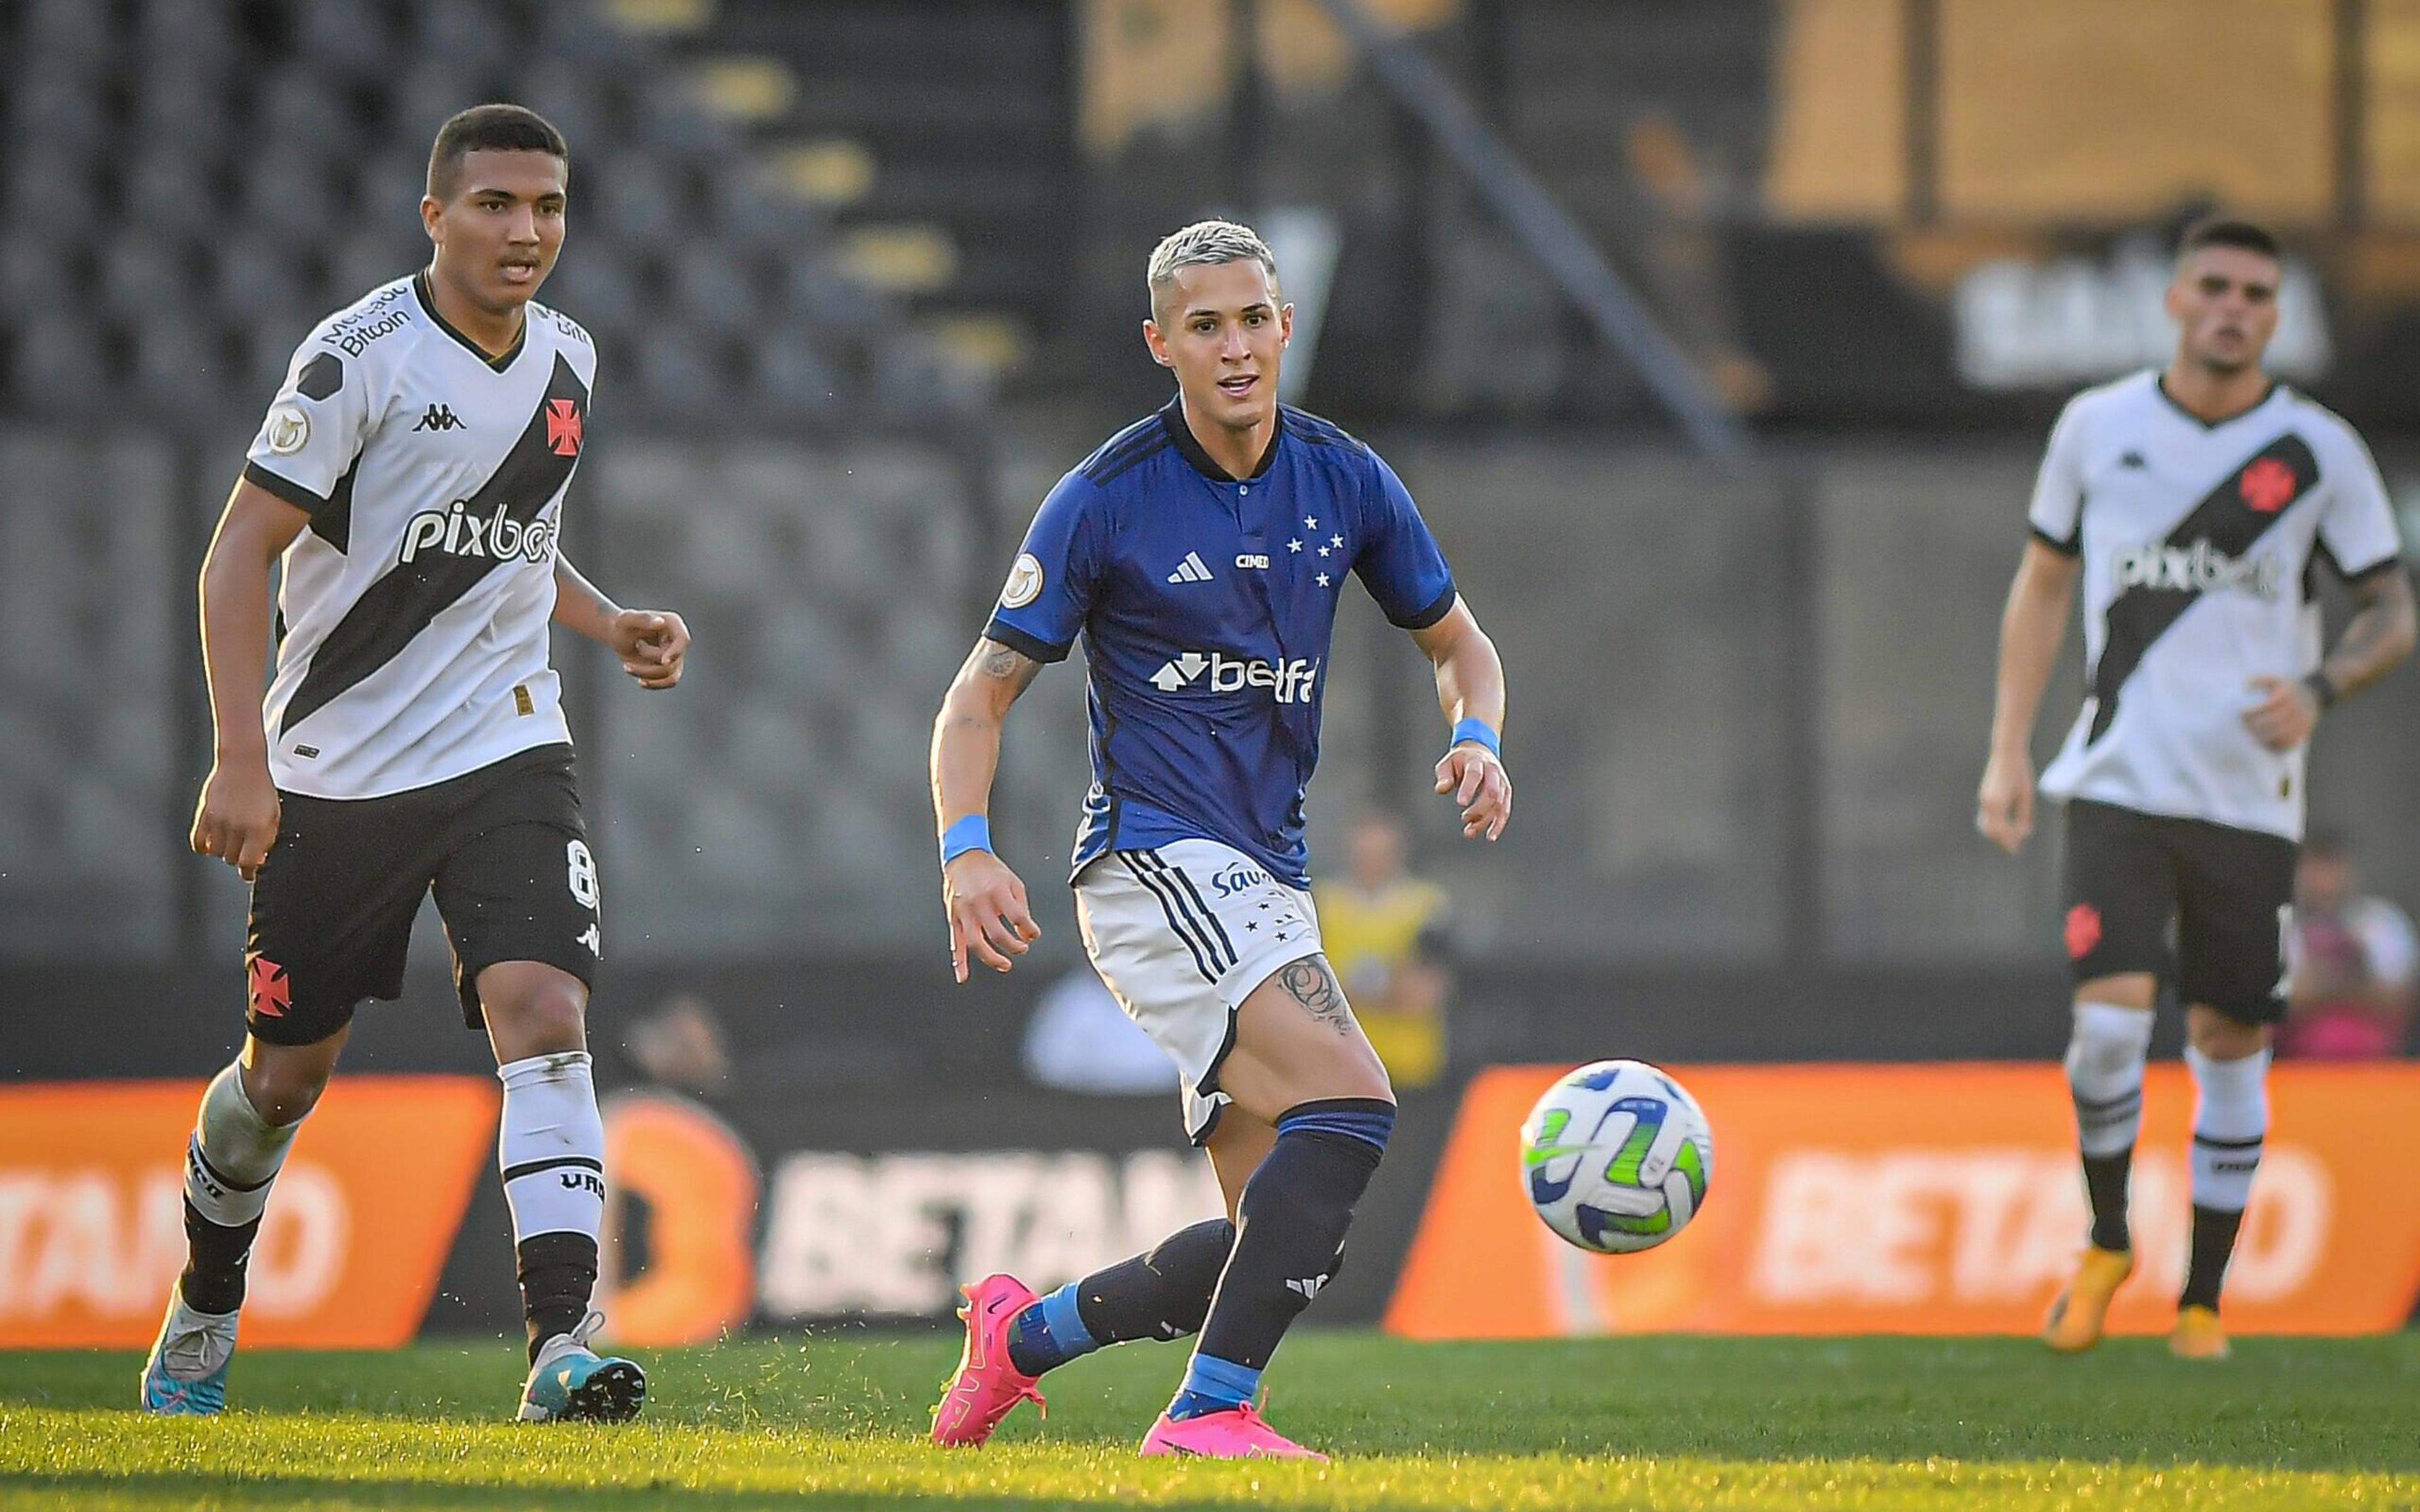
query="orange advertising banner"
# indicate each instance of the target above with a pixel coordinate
(1927, 1199)
(92, 1230)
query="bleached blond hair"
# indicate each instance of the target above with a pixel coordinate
(1204, 244)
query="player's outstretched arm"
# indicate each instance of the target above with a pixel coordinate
(2375, 642)
(652, 644)
(1470, 690)
(235, 818)
(989, 919)
(2032, 627)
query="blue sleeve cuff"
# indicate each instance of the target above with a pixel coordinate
(1430, 613)
(1025, 644)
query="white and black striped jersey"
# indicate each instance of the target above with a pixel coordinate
(2197, 542)
(412, 616)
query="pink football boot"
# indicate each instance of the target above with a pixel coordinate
(988, 1384)
(1239, 1433)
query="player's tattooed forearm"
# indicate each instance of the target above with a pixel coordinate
(996, 660)
(2372, 643)
(1311, 984)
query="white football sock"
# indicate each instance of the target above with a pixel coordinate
(552, 1146)
(2230, 1123)
(234, 1154)
(2104, 1073)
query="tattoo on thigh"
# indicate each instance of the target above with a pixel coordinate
(1311, 984)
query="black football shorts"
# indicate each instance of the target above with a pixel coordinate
(504, 849)
(2136, 881)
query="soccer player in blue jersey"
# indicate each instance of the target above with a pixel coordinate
(1200, 553)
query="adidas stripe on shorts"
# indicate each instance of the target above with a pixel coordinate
(1182, 933)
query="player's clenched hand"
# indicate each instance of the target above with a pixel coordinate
(2286, 715)
(988, 917)
(652, 644)
(237, 817)
(1477, 779)
(2004, 809)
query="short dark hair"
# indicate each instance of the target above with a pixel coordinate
(2328, 843)
(489, 128)
(2227, 231)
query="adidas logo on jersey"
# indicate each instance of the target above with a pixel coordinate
(1192, 570)
(439, 417)
(1288, 681)
(2195, 569)
(458, 532)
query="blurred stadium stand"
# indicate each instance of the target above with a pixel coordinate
(866, 278)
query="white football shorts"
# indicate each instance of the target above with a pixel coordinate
(1182, 933)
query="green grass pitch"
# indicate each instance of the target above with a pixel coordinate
(1874, 1425)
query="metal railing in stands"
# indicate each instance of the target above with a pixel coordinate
(1564, 250)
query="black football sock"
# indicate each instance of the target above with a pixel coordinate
(1289, 1236)
(2104, 1182)
(1163, 1293)
(2213, 1245)
(216, 1258)
(558, 1272)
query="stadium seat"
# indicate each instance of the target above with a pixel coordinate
(465, 32)
(710, 286)
(56, 188)
(582, 106)
(634, 195)
(182, 113)
(428, 92)
(295, 109)
(793, 379)
(61, 111)
(34, 271)
(140, 280)
(683, 376)
(178, 28)
(292, 193)
(347, 38)
(593, 286)
(253, 271)
(169, 193)
(57, 368)
(64, 33)
(178, 367)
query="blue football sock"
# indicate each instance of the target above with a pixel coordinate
(1049, 1333)
(1214, 1385)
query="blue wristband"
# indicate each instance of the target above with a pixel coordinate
(973, 833)
(1479, 732)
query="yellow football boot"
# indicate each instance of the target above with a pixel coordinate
(2199, 1336)
(2077, 1318)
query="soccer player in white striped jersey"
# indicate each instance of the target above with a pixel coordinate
(411, 477)
(2194, 504)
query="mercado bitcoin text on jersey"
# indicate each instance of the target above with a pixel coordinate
(1207, 603)
(2197, 543)
(413, 613)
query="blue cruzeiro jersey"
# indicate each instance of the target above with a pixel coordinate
(1207, 603)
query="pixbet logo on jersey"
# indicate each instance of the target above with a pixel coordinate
(2196, 568)
(1288, 681)
(458, 532)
